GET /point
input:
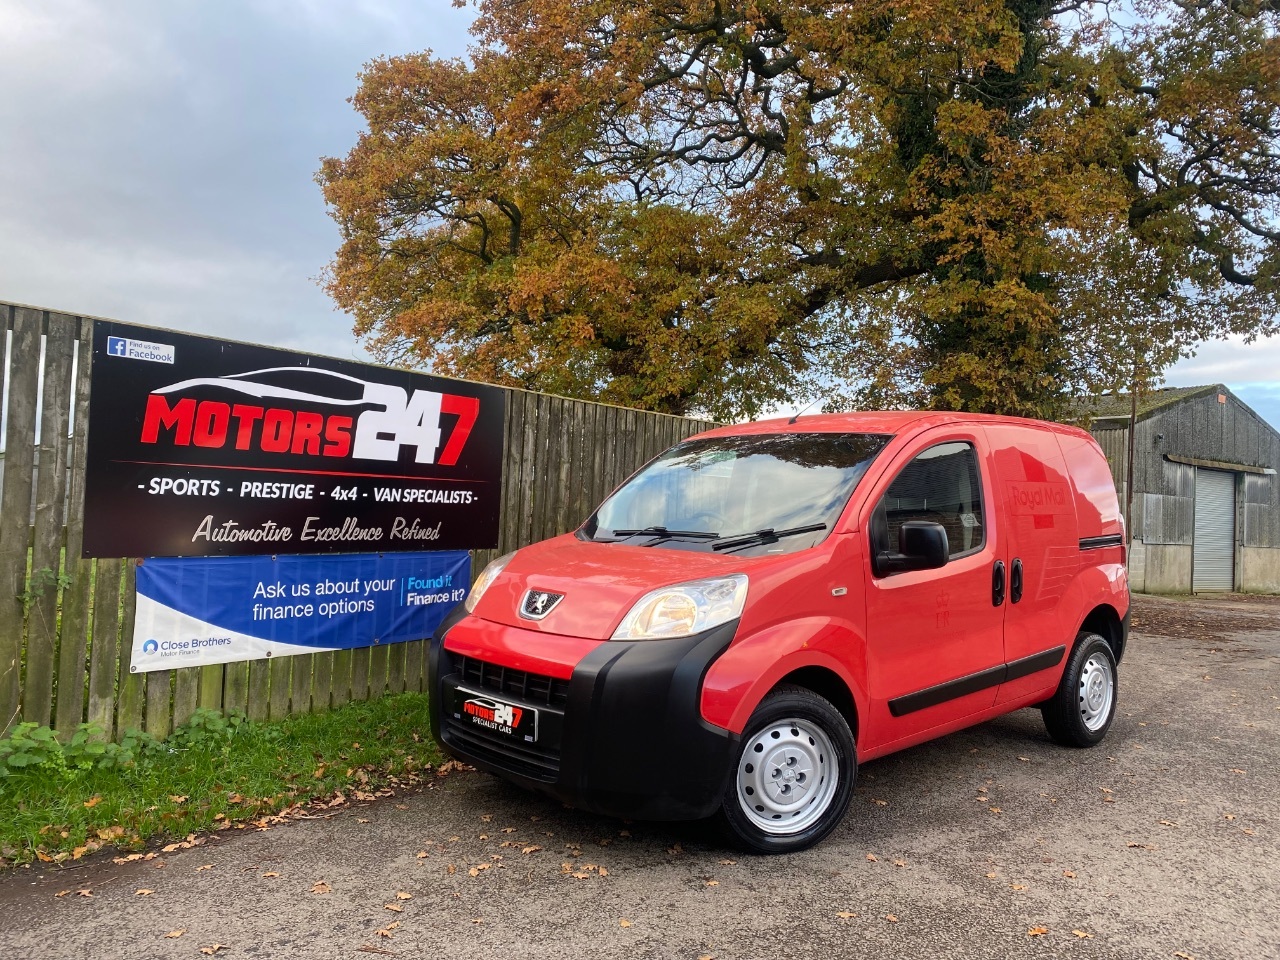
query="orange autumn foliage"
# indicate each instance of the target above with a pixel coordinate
(700, 205)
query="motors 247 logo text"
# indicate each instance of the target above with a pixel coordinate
(382, 418)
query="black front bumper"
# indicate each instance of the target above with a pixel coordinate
(624, 736)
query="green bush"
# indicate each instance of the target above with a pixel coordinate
(33, 750)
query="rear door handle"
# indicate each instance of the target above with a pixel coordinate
(1015, 580)
(997, 584)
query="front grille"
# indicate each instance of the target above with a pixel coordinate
(537, 763)
(533, 688)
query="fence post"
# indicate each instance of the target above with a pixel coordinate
(15, 505)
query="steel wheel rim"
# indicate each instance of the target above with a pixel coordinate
(1097, 692)
(787, 776)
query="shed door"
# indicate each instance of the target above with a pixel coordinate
(1213, 550)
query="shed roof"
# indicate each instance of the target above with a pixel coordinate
(1118, 404)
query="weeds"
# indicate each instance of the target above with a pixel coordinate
(59, 801)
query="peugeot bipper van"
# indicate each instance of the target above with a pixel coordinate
(767, 605)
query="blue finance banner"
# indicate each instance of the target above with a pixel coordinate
(197, 611)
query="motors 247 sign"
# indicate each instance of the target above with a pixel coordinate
(200, 447)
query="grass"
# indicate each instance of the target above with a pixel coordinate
(58, 803)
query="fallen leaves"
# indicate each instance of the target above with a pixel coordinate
(401, 895)
(624, 923)
(176, 798)
(204, 866)
(1083, 934)
(393, 907)
(1037, 931)
(175, 934)
(191, 841)
(320, 887)
(143, 892)
(531, 848)
(213, 948)
(92, 802)
(270, 875)
(892, 918)
(582, 871)
(845, 914)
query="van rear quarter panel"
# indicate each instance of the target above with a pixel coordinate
(1097, 506)
(793, 620)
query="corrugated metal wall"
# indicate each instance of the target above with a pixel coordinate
(1203, 429)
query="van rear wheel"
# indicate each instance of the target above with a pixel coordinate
(1080, 712)
(793, 774)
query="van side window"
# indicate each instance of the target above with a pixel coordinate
(941, 485)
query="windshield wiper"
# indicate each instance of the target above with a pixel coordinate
(662, 533)
(767, 535)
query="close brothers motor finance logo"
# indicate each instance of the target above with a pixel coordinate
(373, 422)
(150, 646)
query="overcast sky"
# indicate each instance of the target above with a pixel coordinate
(157, 156)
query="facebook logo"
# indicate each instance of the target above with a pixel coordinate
(139, 350)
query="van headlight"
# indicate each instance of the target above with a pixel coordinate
(684, 609)
(485, 580)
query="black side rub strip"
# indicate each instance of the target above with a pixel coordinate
(963, 686)
(1097, 543)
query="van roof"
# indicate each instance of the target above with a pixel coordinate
(884, 421)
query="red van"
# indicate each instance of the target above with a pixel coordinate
(766, 605)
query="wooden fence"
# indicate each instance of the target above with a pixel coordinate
(66, 624)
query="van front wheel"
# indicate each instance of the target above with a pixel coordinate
(793, 775)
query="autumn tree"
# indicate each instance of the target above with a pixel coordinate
(715, 205)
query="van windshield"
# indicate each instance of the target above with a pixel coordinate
(748, 495)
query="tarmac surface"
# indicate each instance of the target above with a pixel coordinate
(1164, 841)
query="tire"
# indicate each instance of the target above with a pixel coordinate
(1080, 712)
(792, 776)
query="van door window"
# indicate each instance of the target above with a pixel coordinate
(941, 485)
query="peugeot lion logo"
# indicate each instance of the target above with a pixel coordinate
(538, 603)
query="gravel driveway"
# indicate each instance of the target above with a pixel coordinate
(993, 842)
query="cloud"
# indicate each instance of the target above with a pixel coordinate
(159, 158)
(1251, 370)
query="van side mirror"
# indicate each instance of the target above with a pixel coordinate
(924, 547)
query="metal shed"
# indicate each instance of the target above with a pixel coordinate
(1205, 508)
